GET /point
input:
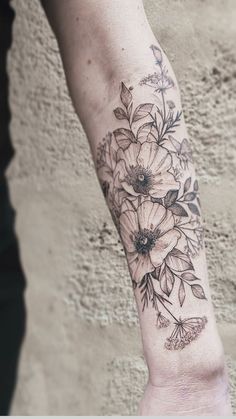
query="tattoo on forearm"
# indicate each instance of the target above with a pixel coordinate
(144, 171)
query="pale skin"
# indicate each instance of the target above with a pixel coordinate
(103, 44)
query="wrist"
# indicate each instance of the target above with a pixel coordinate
(188, 385)
(187, 398)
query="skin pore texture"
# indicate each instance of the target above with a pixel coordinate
(127, 98)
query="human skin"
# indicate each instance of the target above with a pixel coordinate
(127, 98)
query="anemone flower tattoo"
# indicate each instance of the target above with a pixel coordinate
(148, 235)
(140, 165)
(144, 170)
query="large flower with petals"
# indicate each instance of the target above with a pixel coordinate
(148, 235)
(144, 170)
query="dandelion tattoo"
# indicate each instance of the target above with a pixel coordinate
(157, 216)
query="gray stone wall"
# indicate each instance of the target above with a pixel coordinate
(82, 354)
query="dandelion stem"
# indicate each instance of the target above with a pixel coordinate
(172, 315)
(164, 106)
(156, 295)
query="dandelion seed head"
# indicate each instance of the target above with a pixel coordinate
(185, 332)
(162, 321)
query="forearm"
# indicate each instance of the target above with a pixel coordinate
(128, 100)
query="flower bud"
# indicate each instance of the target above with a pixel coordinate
(157, 54)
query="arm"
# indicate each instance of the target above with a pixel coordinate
(126, 95)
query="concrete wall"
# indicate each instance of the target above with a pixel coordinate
(82, 354)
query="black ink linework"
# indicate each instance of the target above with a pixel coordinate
(158, 219)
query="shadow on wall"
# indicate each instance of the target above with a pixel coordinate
(12, 280)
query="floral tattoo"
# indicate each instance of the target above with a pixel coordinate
(140, 166)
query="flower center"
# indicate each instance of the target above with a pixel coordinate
(144, 241)
(141, 179)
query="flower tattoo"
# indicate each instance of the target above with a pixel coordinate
(140, 166)
(148, 235)
(144, 170)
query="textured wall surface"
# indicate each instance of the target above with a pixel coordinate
(82, 354)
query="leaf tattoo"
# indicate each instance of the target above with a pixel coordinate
(139, 166)
(167, 280)
(142, 111)
(181, 293)
(125, 96)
